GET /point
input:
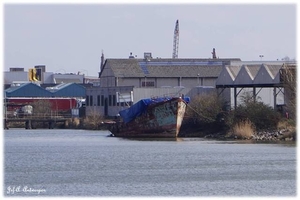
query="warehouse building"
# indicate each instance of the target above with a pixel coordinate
(262, 80)
(66, 97)
(125, 81)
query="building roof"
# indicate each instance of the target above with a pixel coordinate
(67, 80)
(250, 75)
(228, 75)
(27, 90)
(273, 70)
(166, 67)
(34, 90)
(67, 90)
(268, 74)
(252, 70)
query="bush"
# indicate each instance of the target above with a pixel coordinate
(260, 114)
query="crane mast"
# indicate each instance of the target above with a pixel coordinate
(176, 40)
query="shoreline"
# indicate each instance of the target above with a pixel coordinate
(275, 135)
(280, 135)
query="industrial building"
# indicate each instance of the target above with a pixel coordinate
(122, 82)
(17, 75)
(262, 79)
(65, 97)
(125, 81)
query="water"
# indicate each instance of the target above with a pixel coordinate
(88, 163)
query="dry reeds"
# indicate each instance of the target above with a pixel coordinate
(243, 129)
(286, 124)
(76, 122)
(93, 121)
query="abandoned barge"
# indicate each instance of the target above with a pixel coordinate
(151, 118)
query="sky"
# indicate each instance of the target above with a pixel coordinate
(69, 37)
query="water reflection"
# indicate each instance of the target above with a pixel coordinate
(214, 141)
(155, 139)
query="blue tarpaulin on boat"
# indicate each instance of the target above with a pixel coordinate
(140, 107)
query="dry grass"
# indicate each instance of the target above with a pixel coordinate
(76, 122)
(93, 121)
(286, 124)
(244, 129)
(72, 123)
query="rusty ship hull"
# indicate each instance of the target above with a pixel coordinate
(161, 119)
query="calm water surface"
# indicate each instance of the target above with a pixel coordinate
(88, 163)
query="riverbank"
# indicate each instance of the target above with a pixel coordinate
(275, 135)
(282, 134)
(285, 131)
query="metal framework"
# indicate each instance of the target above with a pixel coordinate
(278, 86)
(176, 40)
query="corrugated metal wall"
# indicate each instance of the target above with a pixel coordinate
(141, 93)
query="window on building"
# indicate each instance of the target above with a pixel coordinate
(114, 99)
(109, 100)
(102, 100)
(148, 84)
(87, 100)
(98, 100)
(91, 100)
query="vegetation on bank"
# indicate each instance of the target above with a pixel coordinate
(243, 129)
(207, 115)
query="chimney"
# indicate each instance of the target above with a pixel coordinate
(101, 64)
(214, 56)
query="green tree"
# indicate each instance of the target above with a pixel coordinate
(260, 114)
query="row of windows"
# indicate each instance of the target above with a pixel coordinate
(112, 101)
(148, 84)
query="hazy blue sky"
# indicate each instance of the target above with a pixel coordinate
(70, 37)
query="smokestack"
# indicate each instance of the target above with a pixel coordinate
(101, 64)
(214, 56)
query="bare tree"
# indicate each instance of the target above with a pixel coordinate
(93, 120)
(205, 107)
(42, 108)
(288, 79)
